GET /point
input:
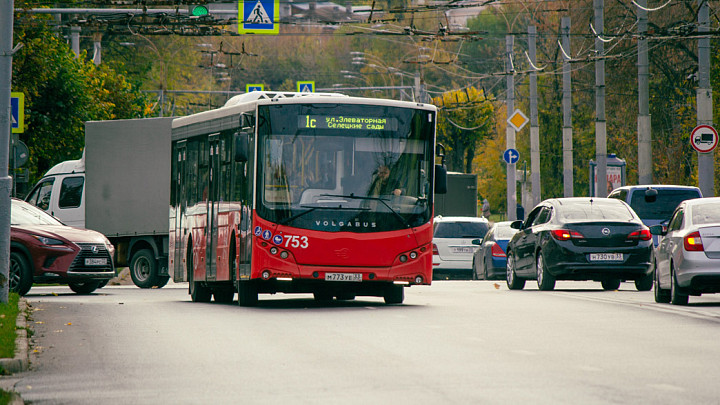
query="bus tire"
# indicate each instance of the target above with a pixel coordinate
(162, 281)
(198, 292)
(143, 269)
(247, 294)
(395, 294)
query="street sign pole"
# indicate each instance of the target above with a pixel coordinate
(6, 51)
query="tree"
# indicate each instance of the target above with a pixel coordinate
(465, 117)
(61, 93)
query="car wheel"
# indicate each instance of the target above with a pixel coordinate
(198, 292)
(513, 282)
(545, 280)
(676, 296)
(474, 271)
(143, 269)
(486, 276)
(644, 283)
(21, 277)
(661, 296)
(247, 293)
(83, 287)
(610, 284)
(395, 294)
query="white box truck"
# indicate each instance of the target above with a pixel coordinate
(120, 187)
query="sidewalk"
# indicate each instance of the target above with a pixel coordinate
(20, 362)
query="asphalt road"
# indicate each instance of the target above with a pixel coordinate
(456, 342)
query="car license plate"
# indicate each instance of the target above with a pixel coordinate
(96, 261)
(605, 257)
(463, 249)
(343, 276)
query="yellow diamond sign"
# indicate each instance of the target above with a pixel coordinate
(518, 120)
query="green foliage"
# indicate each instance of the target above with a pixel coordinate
(62, 92)
(8, 317)
(465, 117)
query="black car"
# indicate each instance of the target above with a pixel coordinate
(578, 238)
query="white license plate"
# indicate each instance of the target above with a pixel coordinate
(463, 249)
(605, 257)
(343, 276)
(95, 261)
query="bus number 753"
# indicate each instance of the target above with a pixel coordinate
(296, 241)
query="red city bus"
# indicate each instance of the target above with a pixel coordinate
(303, 193)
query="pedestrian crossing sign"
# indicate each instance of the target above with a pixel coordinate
(17, 112)
(254, 87)
(259, 17)
(306, 87)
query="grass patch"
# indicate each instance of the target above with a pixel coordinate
(8, 317)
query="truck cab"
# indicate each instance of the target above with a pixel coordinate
(61, 192)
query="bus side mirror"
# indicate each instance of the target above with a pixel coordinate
(242, 140)
(440, 179)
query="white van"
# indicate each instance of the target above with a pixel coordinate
(65, 180)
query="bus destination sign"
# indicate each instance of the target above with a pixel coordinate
(350, 123)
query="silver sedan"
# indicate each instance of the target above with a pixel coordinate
(687, 259)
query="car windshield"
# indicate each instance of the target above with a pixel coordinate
(460, 230)
(25, 214)
(663, 206)
(594, 211)
(705, 213)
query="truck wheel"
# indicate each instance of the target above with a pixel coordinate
(21, 277)
(83, 287)
(161, 281)
(143, 269)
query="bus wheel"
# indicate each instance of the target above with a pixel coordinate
(198, 292)
(224, 295)
(395, 294)
(143, 269)
(161, 281)
(247, 294)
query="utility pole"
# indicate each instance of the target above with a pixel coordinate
(644, 125)
(534, 126)
(567, 131)
(6, 52)
(706, 170)
(510, 131)
(600, 124)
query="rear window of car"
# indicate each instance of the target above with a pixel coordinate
(460, 230)
(663, 206)
(706, 214)
(595, 211)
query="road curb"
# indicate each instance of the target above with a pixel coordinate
(20, 362)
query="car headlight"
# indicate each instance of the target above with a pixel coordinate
(48, 241)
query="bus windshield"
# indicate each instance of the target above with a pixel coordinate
(345, 167)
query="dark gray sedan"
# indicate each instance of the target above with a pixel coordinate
(599, 239)
(687, 259)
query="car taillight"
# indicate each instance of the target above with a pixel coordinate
(693, 242)
(643, 234)
(435, 249)
(497, 251)
(564, 234)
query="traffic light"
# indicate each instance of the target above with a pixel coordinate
(198, 10)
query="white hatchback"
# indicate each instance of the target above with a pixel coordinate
(452, 245)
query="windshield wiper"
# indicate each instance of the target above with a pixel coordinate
(382, 200)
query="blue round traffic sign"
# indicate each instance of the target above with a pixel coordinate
(511, 156)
